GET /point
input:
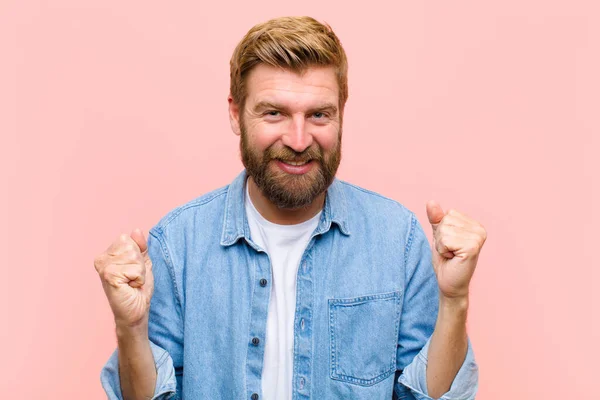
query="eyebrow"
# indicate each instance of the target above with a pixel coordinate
(332, 108)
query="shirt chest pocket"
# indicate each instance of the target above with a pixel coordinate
(364, 337)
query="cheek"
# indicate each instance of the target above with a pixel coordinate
(327, 138)
(263, 135)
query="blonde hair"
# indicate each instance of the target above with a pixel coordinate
(294, 43)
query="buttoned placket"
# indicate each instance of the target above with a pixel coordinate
(258, 319)
(302, 326)
(302, 367)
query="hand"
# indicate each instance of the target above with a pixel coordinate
(125, 270)
(457, 241)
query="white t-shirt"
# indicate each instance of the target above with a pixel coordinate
(285, 245)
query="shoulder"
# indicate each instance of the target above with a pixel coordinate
(206, 206)
(360, 200)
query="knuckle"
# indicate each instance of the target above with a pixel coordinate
(127, 248)
(98, 262)
(483, 232)
(444, 230)
(139, 269)
(106, 275)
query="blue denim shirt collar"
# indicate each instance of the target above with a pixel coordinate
(235, 224)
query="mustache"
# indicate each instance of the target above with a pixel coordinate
(288, 154)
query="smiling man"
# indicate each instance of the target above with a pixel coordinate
(290, 283)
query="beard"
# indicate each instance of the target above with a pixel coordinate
(290, 191)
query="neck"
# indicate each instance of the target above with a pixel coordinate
(283, 216)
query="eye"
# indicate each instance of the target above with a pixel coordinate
(272, 113)
(320, 117)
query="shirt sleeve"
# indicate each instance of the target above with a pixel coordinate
(165, 379)
(464, 386)
(419, 315)
(165, 329)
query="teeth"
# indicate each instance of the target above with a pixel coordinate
(295, 163)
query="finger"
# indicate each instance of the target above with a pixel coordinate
(149, 283)
(435, 213)
(99, 262)
(124, 243)
(136, 275)
(465, 223)
(443, 251)
(453, 220)
(457, 241)
(459, 222)
(119, 253)
(117, 275)
(128, 257)
(138, 237)
(454, 213)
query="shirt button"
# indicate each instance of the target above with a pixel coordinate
(254, 396)
(302, 324)
(255, 341)
(301, 383)
(263, 282)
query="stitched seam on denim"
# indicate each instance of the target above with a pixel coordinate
(363, 382)
(306, 255)
(333, 359)
(361, 299)
(328, 213)
(228, 205)
(411, 234)
(253, 277)
(309, 328)
(158, 234)
(207, 198)
(395, 350)
(296, 344)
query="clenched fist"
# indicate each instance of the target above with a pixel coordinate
(457, 242)
(125, 270)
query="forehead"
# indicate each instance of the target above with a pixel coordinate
(278, 85)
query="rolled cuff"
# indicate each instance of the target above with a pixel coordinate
(464, 386)
(166, 383)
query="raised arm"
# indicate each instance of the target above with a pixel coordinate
(146, 319)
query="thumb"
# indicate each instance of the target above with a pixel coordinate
(139, 238)
(434, 213)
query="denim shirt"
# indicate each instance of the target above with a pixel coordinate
(366, 303)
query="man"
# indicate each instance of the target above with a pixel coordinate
(289, 283)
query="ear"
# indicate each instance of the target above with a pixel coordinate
(234, 115)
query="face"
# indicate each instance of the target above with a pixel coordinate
(290, 130)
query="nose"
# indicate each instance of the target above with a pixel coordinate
(298, 136)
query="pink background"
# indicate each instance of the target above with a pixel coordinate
(114, 112)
